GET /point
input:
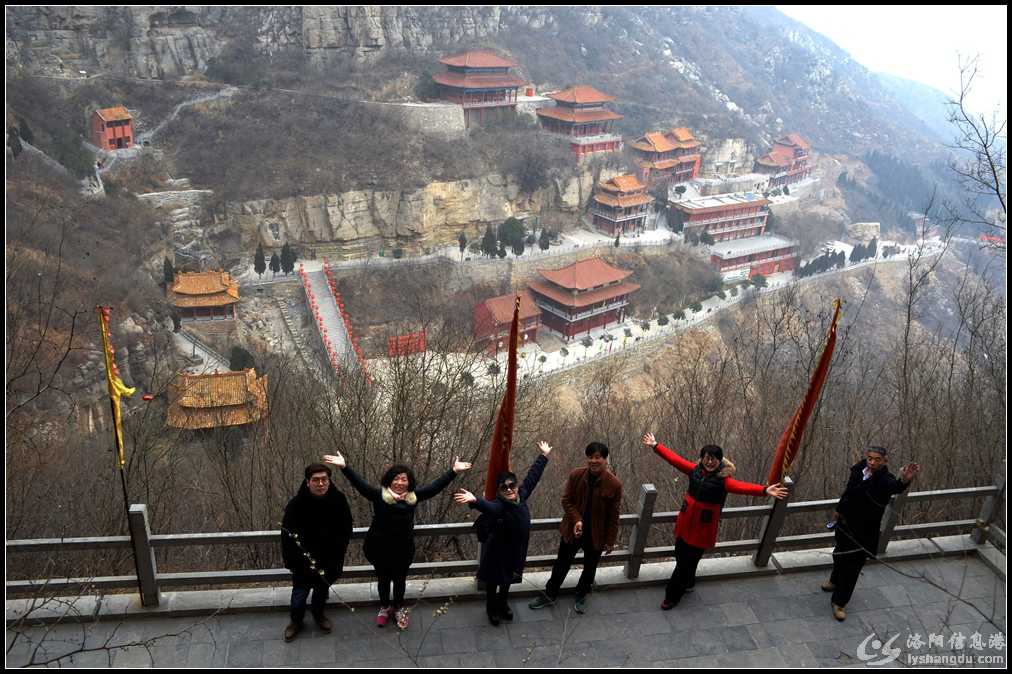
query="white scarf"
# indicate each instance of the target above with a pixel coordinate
(390, 497)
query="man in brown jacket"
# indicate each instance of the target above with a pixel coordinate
(592, 501)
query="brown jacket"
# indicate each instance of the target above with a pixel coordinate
(605, 508)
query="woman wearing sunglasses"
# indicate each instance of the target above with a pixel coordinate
(505, 550)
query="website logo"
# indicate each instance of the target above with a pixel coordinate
(878, 650)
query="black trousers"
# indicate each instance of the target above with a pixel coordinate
(301, 587)
(684, 574)
(848, 560)
(564, 562)
(398, 580)
(496, 597)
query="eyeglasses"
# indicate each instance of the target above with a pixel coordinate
(319, 480)
(508, 486)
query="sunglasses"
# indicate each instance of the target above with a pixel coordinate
(508, 486)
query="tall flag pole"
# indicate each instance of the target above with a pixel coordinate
(790, 441)
(117, 390)
(502, 439)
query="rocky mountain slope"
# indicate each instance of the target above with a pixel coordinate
(724, 70)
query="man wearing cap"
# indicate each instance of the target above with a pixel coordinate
(858, 518)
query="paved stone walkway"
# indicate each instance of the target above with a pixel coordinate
(773, 621)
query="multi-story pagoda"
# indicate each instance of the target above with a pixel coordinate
(579, 113)
(787, 162)
(583, 296)
(216, 400)
(620, 205)
(756, 255)
(673, 156)
(723, 217)
(481, 82)
(493, 317)
(112, 128)
(204, 296)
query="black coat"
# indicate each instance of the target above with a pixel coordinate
(323, 525)
(862, 506)
(390, 541)
(504, 554)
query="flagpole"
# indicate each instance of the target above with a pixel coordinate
(117, 438)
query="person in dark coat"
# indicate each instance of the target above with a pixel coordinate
(858, 519)
(504, 553)
(390, 541)
(314, 538)
(696, 527)
(591, 503)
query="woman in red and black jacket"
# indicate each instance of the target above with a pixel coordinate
(696, 526)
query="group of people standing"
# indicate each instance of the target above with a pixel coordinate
(317, 526)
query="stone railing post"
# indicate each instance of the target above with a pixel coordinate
(144, 555)
(988, 512)
(892, 516)
(638, 538)
(774, 522)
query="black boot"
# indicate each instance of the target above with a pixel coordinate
(506, 613)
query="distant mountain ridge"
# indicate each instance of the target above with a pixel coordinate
(746, 72)
(924, 102)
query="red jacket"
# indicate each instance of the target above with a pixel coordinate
(700, 514)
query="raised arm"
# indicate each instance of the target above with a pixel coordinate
(535, 472)
(433, 488)
(747, 488)
(361, 486)
(675, 460)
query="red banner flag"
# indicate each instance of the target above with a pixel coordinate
(502, 439)
(790, 441)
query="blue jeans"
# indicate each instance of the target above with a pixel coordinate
(301, 587)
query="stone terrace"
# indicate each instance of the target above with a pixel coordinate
(769, 620)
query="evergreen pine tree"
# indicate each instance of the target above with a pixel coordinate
(168, 272)
(259, 263)
(275, 263)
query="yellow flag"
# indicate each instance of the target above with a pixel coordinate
(117, 389)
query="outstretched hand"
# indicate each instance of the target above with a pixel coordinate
(649, 440)
(544, 448)
(335, 459)
(460, 466)
(777, 491)
(909, 471)
(463, 497)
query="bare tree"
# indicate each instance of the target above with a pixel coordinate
(980, 163)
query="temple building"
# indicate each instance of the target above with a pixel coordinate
(620, 205)
(216, 400)
(770, 254)
(724, 217)
(787, 162)
(579, 113)
(583, 296)
(673, 156)
(112, 128)
(481, 82)
(493, 317)
(204, 296)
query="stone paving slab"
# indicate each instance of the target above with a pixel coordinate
(780, 621)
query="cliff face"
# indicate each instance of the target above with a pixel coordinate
(360, 222)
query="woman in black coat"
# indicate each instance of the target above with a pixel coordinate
(390, 541)
(504, 552)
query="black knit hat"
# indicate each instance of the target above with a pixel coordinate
(713, 450)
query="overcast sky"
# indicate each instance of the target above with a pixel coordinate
(921, 43)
